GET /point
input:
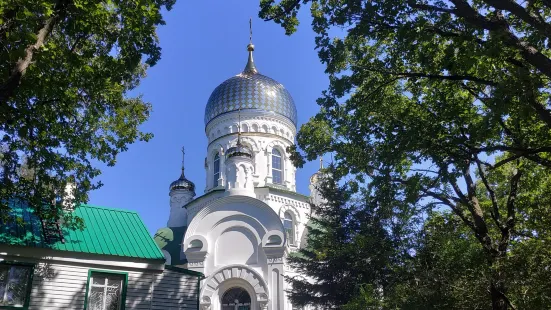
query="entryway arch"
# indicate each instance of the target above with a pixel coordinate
(227, 278)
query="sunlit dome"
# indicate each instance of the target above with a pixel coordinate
(250, 90)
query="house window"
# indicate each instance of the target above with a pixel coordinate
(106, 291)
(216, 175)
(289, 226)
(15, 283)
(277, 170)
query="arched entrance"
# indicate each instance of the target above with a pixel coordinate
(236, 298)
(215, 292)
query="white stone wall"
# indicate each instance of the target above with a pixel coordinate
(259, 131)
(178, 214)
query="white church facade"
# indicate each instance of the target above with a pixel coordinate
(250, 218)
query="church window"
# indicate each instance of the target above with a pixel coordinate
(274, 240)
(106, 290)
(289, 226)
(14, 285)
(277, 168)
(196, 244)
(236, 299)
(216, 175)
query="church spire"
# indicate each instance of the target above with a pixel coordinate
(250, 67)
(183, 158)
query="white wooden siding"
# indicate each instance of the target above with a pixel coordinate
(174, 291)
(61, 286)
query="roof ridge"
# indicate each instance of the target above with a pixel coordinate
(108, 208)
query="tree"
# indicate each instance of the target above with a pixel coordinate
(424, 96)
(351, 248)
(436, 267)
(66, 68)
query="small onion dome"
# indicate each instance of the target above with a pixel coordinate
(182, 183)
(318, 175)
(239, 150)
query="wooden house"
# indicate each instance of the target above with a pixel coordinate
(112, 264)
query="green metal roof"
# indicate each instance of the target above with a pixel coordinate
(108, 231)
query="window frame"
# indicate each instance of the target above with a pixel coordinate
(29, 283)
(222, 305)
(124, 286)
(215, 174)
(280, 169)
(293, 234)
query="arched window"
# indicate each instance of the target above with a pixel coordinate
(236, 299)
(216, 174)
(289, 226)
(277, 167)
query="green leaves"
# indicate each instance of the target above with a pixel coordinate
(68, 67)
(438, 105)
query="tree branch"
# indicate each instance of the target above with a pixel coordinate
(446, 201)
(427, 7)
(521, 13)
(8, 87)
(435, 76)
(501, 27)
(495, 206)
(512, 198)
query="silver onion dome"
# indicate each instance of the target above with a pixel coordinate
(182, 183)
(250, 90)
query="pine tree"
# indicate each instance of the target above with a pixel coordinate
(352, 244)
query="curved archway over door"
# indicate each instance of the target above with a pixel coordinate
(236, 298)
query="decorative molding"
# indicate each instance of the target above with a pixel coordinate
(244, 203)
(296, 214)
(254, 123)
(196, 264)
(275, 260)
(287, 201)
(193, 210)
(250, 116)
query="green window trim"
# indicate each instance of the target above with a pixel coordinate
(29, 286)
(123, 293)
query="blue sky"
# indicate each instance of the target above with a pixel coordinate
(203, 44)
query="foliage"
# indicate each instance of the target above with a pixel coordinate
(66, 68)
(349, 244)
(439, 104)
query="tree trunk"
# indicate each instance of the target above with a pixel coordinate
(498, 288)
(8, 87)
(499, 301)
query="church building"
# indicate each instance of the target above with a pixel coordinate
(250, 217)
